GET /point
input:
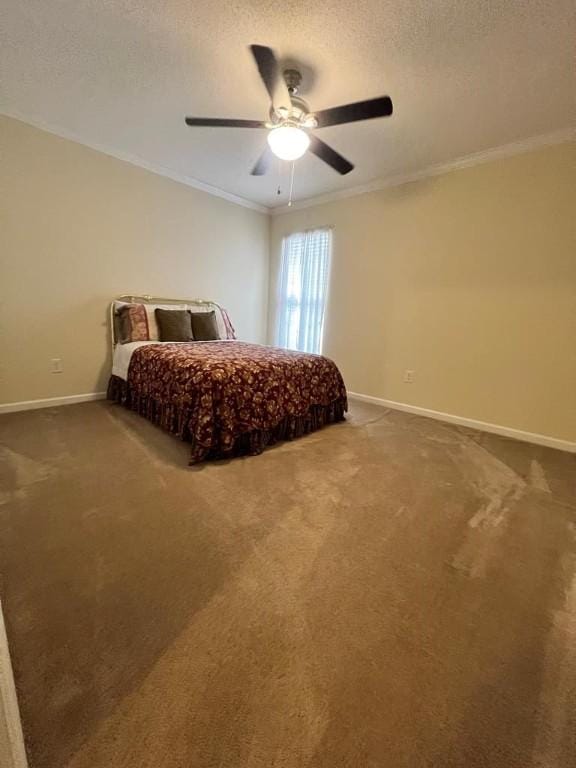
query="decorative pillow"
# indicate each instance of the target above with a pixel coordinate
(151, 312)
(174, 324)
(230, 332)
(153, 331)
(132, 323)
(204, 326)
(225, 328)
(201, 309)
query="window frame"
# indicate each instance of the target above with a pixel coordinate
(282, 300)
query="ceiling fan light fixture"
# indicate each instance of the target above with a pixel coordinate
(288, 142)
(290, 119)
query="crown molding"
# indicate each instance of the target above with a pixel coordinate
(385, 182)
(155, 168)
(468, 161)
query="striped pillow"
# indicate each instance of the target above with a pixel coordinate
(230, 332)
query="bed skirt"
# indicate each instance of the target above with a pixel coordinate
(176, 420)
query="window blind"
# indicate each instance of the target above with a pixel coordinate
(304, 272)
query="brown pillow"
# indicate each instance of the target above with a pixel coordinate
(174, 324)
(204, 326)
(131, 324)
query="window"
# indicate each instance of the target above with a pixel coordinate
(303, 287)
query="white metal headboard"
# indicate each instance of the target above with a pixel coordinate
(132, 298)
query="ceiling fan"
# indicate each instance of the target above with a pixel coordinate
(291, 121)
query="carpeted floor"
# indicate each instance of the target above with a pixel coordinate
(390, 592)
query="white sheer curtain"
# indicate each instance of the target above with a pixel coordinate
(304, 275)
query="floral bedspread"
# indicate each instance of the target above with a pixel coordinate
(214, 393)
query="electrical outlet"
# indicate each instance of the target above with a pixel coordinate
(408, 376)
(56, 365)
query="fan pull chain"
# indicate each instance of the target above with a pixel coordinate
(291, 189)
(291, 184)
(279, 174)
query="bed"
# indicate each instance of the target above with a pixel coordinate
(226, 397)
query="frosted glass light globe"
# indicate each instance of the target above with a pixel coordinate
(288, 142)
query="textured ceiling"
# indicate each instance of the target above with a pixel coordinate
(464, 75)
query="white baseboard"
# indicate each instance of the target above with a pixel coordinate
(462, 421)
(450, 418)
(12, 750)
(50, 402)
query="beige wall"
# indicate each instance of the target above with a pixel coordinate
(469, 279)
(78, 227)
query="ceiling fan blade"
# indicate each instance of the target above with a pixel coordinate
(220, 122)
(330, 156)
(350, 113)
(263, 163)
(271, 75)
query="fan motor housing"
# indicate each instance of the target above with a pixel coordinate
(299, 112)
